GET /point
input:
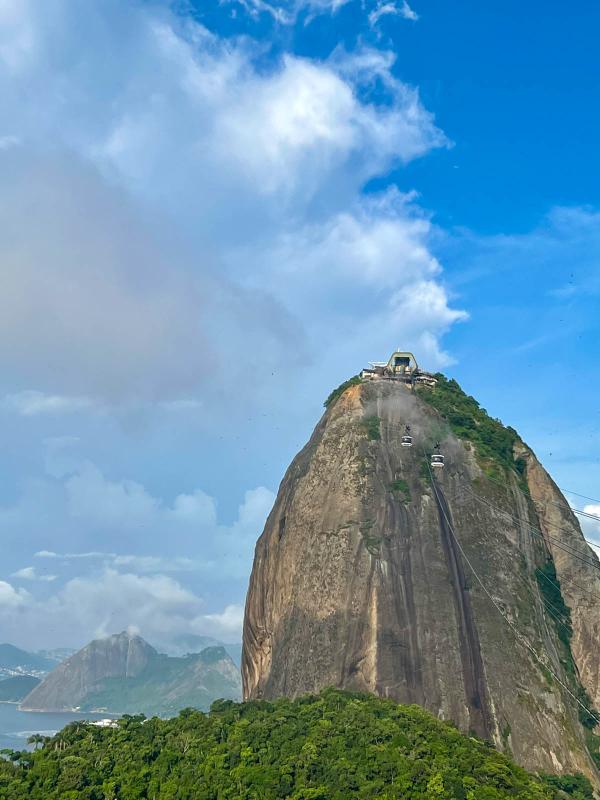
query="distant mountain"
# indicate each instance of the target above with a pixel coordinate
(13, 690)
(195, 643)
(14, 661)
(57, 654)
(124, 674)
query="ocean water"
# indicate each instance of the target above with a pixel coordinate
(16, 726)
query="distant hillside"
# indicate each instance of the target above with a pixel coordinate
(195, 643)
(124, 674)
(13, 690)
(336, 746)
(14, 661)
(57, 654)
(169, 684)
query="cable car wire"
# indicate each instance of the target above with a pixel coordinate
(537, 532)
(518, 635)
(580, 511)
(555, 502)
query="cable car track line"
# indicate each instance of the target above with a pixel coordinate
(518, 635)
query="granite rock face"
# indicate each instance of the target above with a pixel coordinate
(373, 575)
(123, 674)
(119, 656)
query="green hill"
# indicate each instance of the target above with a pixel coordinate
(334, 746)
(13, 660)
(168, 684)
(13, 690)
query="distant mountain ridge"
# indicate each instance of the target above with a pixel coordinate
(14, 661)
(124, 674)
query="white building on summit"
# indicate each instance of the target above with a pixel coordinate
(401, 366)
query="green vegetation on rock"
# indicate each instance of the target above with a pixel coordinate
(400, 486)
(372, 426)
(335, 746)
(550, 590)
(341, 389)
(492, 440)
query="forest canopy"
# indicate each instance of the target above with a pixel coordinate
(333, 746)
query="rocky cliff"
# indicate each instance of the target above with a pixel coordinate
(124, 674)
(120, 655)
(470, 592)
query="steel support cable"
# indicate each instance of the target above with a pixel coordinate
(583, 496)
(579, 511)
(551, 502)
(518, 635)
(537, 532)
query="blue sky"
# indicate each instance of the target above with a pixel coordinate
(213, 213)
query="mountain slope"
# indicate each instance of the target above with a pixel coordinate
(14, 661)
(124, 674)
(120, 655)
(169, 684)
(361, 579)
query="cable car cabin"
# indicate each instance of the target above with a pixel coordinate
(437, 460)
(407, 438)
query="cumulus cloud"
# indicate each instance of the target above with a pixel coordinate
(157, 606)
(124, 276)
(11, 598)
(227, 623)
(102, 591)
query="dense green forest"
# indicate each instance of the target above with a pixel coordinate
(334, 746)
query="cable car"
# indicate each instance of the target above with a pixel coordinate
(437, 459)
(407, 438)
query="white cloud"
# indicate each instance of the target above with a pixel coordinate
(30, 574)
(106, 590)
(11, 598)
(140, 563)
(287, 12)
(31, 403)
(386, 8)
(156, 606)
(90, 496)
(228, 623)
(169, 163)
(590, 527)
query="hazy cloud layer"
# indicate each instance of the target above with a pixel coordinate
(100, 591)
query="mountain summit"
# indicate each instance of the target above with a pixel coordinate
(124, 674)
(466, 588)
